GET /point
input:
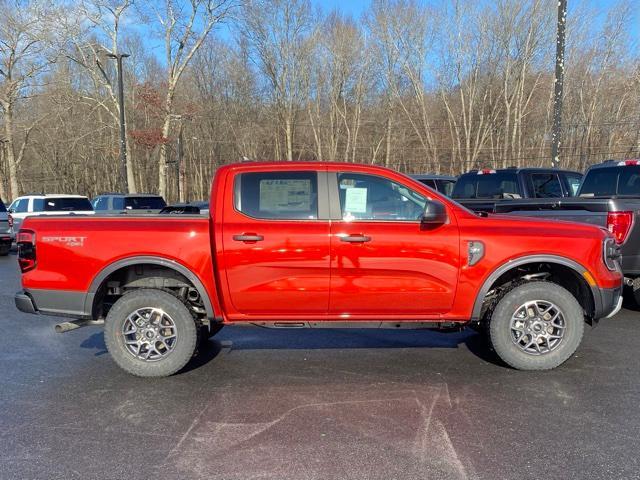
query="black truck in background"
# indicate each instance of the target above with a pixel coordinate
(609, 196)
(482, 190)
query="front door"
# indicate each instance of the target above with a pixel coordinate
(276, 244)
(384, 261)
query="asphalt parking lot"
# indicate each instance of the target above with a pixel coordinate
(313, 404)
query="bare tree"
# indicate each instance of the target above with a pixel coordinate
(279, 33)
(23, 61)
(184, 26)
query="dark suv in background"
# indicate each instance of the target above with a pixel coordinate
(124, 203)
(5, 230)
(480, 190)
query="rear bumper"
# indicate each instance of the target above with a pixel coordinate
(608, 301)
(24, 303)
(5, 239)
(62, 303)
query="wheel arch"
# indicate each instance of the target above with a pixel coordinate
(99, 280)
(512, 264)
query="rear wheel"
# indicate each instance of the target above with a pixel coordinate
(536, 326)
(4, 250)
(150, 333)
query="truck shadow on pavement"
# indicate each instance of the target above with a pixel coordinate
(242, 338)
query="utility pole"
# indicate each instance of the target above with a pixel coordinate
(556, 137)
(124, 184)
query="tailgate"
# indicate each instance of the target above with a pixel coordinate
(582, 210)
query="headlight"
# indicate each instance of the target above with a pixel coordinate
(611, 253)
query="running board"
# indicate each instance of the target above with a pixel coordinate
(407, 325)
(75, 324)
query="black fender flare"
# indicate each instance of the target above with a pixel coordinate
(149, 260)
(516, 262)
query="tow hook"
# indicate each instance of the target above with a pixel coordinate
(74, 324)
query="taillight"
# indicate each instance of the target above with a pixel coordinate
(26, 240)
(628, 163)
(619, 224)
(10, 220)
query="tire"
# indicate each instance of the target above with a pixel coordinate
(169, 320)
(535, 327)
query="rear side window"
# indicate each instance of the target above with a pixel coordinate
(489, 185)
(445, 186)
(62, 204)
(428, 182)
(546, 185)
(573, 182)
(604, 182)
(277, 195)
(144, 203)
(101, 203)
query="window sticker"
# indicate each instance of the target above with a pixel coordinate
(355, 200)
(285, 195)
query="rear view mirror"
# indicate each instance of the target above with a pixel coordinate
(435, 213)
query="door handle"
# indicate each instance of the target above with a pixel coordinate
(355, 238)
(248, 237)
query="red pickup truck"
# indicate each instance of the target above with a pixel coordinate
(292, 245)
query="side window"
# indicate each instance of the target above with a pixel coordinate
(118, 203)
(369, 197)
(20, 206)
(429, 183)
(101, 203)
(573, 182)
(277, 195)
(546, 185)
(38, 205)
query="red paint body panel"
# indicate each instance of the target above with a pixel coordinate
(302, 270)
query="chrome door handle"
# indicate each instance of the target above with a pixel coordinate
(355, 238)
(248, 238)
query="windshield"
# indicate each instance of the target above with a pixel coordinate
(62, 204)
(490, 185)
(144, 203)
(607, 182)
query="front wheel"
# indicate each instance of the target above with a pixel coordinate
(536, 326)
(150, 333)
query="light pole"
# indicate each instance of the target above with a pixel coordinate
(123, 129)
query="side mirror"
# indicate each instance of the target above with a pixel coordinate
(435, 213)
(11, 210)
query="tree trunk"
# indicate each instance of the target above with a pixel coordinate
(14, 186)
(162, 161)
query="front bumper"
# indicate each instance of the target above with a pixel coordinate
(608, 302)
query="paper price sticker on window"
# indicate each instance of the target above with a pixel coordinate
(355, 200)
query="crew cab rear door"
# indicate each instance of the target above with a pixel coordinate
(384, 262)
(276, 243)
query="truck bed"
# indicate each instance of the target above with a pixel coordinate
(72, 251)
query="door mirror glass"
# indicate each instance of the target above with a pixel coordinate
(435, 213)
